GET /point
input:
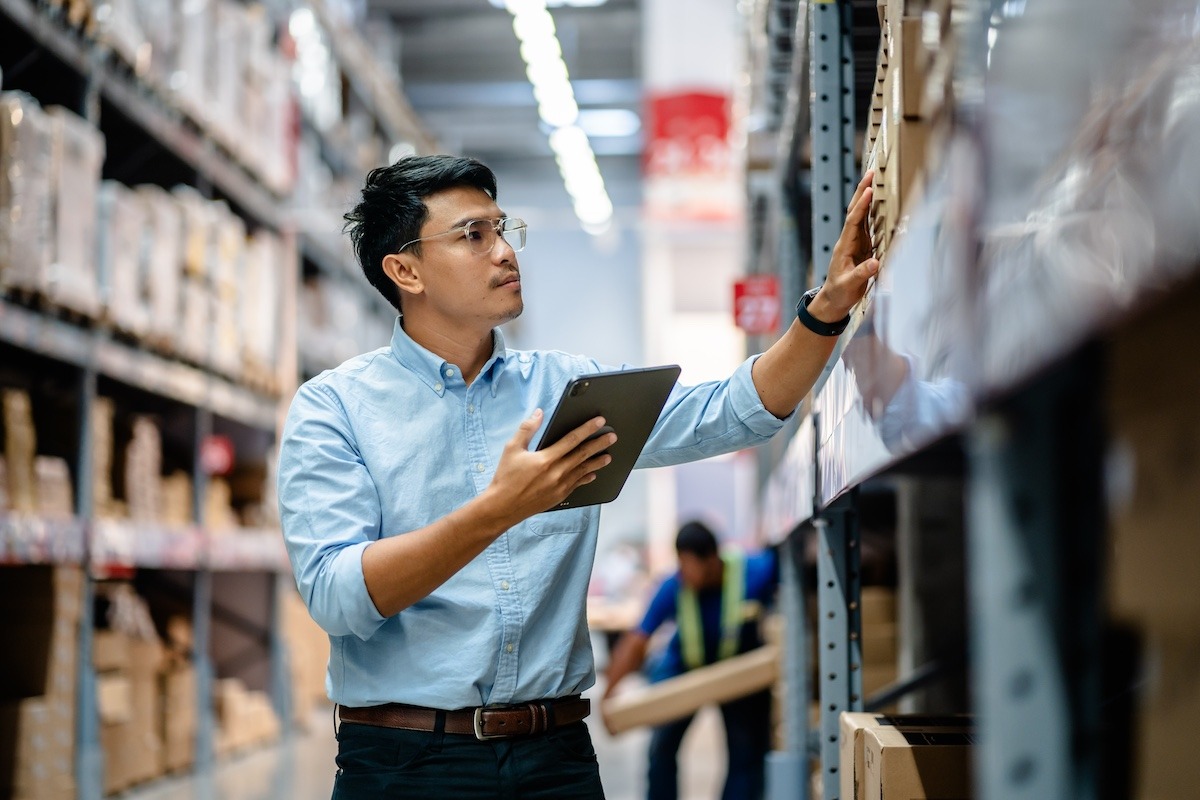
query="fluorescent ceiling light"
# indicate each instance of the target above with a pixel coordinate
(609, 122)
(558, 3)
(557, 108)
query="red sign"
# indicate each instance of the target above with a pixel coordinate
(216, 455)
(688, 161)
(756, 304)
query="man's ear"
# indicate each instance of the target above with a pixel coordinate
(402, 270)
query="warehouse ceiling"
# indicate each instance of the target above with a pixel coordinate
(462, 71)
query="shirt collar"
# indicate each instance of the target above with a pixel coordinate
(430, 368)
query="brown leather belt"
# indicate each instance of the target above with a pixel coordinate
(483, 722)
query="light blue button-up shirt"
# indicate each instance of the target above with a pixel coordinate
(394, 439)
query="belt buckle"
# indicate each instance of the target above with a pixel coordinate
(479, 734)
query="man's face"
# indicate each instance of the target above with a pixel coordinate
(459, 284)
(698, 572)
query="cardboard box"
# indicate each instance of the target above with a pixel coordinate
(854, 724)
(20, 448)
(36, 751)
(110, 651)
(1165, 765)
(121, 262)
(178, 721)
(677, 697)
(114, 698)
(164, 264)
(878, 605)
(908, 764)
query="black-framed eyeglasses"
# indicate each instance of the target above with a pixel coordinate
(481, 234)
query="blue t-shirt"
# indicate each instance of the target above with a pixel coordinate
(762, 576)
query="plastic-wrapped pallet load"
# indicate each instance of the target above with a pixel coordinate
(143, 471)
(164, 262)
(260, 301)
(195, 290)
(227, 265)
(26, 199)
(78, 158)
(122, 258)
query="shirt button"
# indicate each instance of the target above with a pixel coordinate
(504, 585)
(471, 408)
(508, 648)
(437, 387)
(479, 467)
(449, 373)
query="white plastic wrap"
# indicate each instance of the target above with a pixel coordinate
(164, 263)
(78, 157)
(123, 254)
(26, 199)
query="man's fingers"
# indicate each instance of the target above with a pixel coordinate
(527, 429)
(858, 209)
(862, 187)
(576, 437)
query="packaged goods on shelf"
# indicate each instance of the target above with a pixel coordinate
(308, 654)
(123, 270)
(219, 516)
(52, 479)
(244, 717)
(261, 300)
(176, 495)
(117, 26)
(227, 264)
(103, 412)
(164, 261)
(196, 294)
(226, 65)
(78, 157)
(3, 484)
(131, 722)
(20, 448)
(193, 26)
(26, 196)
(143, 471)
(37, 731)
(178, 729)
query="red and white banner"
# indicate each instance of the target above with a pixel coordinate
(688, 161)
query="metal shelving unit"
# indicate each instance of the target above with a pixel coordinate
(90, 354)
(1001, 300)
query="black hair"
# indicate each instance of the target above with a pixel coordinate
(696, 538)
(392, 209)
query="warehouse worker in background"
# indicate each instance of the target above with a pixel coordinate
(414, 510)
(716, 601)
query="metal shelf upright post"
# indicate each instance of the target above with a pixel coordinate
(833, 181)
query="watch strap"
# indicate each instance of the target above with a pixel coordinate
(812, 323)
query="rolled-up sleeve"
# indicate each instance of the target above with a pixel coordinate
(330, 512)
(709, 419)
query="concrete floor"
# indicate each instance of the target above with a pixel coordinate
(302, 769)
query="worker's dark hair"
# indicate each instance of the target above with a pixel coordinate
(696, 538)
(392, 209)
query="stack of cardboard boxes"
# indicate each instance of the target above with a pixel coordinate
(32, 484)
(909, 108)
(245, 717)
(40, 607)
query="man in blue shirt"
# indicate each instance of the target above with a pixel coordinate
(414, 510)
(716, 602)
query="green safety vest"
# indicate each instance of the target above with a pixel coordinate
(687, 617)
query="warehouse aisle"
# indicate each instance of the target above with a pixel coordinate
(303, 768)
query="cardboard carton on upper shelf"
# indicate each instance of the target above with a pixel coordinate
(677, 697)
(55, 497)
(143, 469)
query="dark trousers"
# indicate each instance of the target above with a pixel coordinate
(378, 762)
(747, 738)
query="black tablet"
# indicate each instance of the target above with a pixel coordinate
(630, 402)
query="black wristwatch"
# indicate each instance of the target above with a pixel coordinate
(812, 323)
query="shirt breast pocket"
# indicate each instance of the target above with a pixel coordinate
(568, 520)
